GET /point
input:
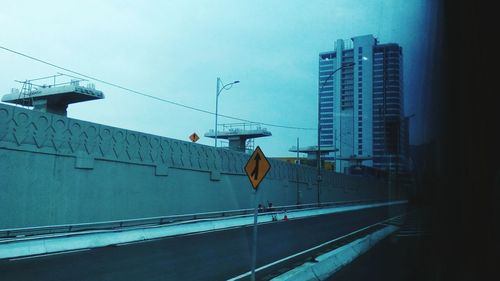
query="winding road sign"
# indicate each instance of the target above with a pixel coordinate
(257, 167)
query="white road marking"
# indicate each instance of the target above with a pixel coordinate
(308, 250)
(47, 255)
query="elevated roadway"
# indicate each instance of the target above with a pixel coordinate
(214, 255)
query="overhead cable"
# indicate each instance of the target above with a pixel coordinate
(150, 96)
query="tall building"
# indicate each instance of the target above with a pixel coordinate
(361, 102)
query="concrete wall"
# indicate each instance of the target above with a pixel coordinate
(58, 170)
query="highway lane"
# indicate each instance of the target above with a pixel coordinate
(218, 255)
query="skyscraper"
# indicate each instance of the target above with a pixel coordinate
(361, 108)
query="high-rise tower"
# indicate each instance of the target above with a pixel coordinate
(361, 108)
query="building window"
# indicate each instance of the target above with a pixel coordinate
(360, 112)
(360, 90)
(360, 107)
(360, 118)
(360, 50)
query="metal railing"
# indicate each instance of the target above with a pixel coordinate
(68, 229)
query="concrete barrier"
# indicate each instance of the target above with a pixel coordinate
(56, 170)
(95, 239)
(327, 264)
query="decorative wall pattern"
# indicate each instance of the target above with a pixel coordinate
(92, 181)
(24, 129)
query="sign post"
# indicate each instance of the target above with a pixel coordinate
(256, 169)
(254, 249)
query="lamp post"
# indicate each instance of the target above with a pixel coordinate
(318, 158)
(217, 93)
(402, 149)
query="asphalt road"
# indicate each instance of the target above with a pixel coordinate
(218, 255)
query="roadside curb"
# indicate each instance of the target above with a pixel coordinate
(327, 264)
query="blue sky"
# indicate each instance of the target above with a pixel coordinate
(176, 49)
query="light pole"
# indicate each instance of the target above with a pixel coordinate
(297, 162)
(217, 93)
(402, 149)
(318, 158)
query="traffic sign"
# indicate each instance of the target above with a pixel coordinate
(194, 137)
(257, 167)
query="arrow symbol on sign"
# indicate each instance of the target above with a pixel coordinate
(255, 172)
(257, 167)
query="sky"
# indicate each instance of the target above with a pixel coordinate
(175, 50)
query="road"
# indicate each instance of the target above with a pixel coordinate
(217, 255)
(407, 254)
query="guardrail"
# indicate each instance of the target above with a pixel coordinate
(155, 221)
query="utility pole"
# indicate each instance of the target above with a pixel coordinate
(297, 162)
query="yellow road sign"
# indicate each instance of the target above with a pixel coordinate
(194, 137)
(257, 167)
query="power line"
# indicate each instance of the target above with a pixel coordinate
(148, 95)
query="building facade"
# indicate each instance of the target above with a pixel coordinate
(361, 105)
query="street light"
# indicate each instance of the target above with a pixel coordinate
(320, 89)
(318, 158)
(400, 147)
(219, 90)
